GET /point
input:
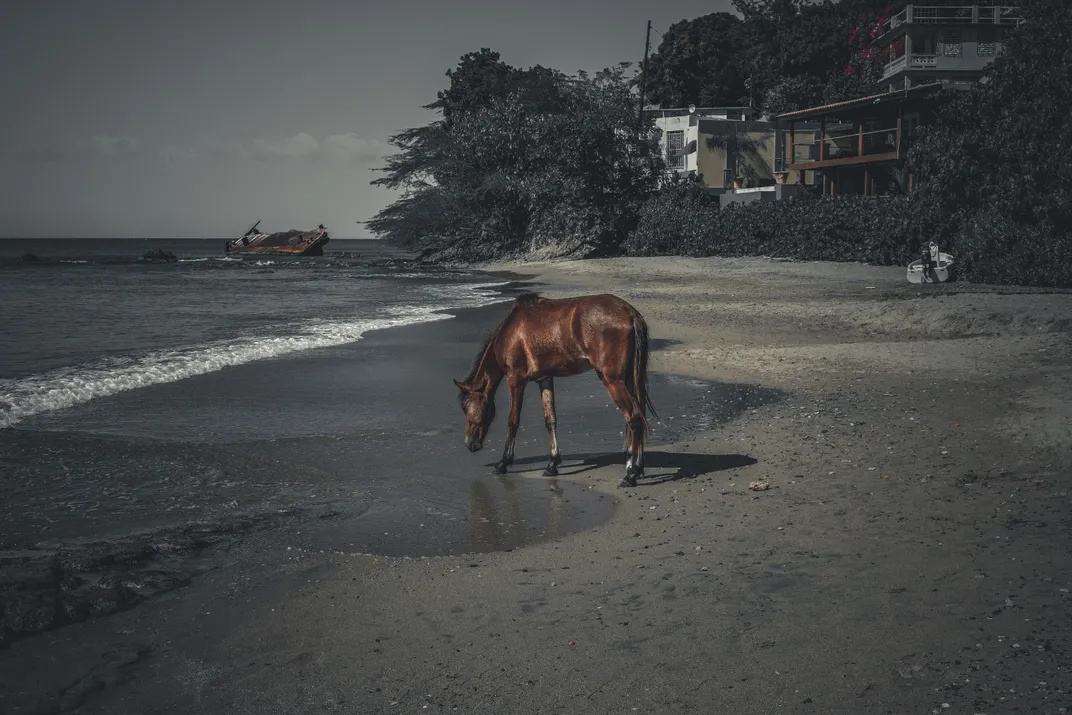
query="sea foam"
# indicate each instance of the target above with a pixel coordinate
(66, 387)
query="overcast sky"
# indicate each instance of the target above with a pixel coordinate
(179, 118)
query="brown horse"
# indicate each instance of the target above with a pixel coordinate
(542, 339)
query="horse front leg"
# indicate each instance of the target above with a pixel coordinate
(547, 394)
(517, 395)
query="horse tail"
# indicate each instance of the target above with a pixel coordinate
(638, 389)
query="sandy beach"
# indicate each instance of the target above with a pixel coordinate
(907, 548)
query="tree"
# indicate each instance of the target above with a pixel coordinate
(699, 62)
(520, 160)
(800, 50)
(779, 56)
(866, 59)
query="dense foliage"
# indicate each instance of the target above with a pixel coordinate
(870, 229)
(995, 171)
(521, 161)
(778, 56)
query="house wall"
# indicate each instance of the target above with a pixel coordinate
(751, 144)
(754, 145)
(758, 146)
(689, 123)
(678, 124)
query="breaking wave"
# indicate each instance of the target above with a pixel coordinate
(66, 387)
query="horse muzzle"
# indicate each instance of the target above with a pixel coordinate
(473, 443)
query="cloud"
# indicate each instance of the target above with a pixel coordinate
(109, 146)
(347, 147)
(299, 146)
(180, 153)
(37, 153)
(350, 147)
(98, 146)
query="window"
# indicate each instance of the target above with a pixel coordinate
(911, 125)
(951, 44)
(988, 42)
(675, 150)
(924, 44)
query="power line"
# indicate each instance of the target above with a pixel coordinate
(643, 69)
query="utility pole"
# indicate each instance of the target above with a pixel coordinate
(643, 70)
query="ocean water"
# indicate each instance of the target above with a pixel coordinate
(139, 397)
(217, 392)
(88, 320)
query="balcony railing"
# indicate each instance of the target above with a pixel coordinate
(896, 66)
(911, 61)
(1004, 15)
(953, 15)
(895, 21)
(844, 143)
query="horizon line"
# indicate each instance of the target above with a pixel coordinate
(155, 238)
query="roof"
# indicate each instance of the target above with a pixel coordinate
(860, 102)
(698, 111)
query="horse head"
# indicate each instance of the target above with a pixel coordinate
(479, 409)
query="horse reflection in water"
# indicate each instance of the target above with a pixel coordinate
(488, 531)
(542, 339)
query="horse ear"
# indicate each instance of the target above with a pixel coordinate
(462, 386)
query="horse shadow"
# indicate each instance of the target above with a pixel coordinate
(667, 466)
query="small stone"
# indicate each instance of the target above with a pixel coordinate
(760, 485)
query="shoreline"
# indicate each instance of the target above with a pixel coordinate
(913, 541)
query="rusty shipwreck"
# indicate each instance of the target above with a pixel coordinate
(287, 243)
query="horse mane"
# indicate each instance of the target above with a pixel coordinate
(480, 355)
(521, 301)
(526, 299)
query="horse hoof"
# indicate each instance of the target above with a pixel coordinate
(499, 469)
(627, 481)
(551, 471)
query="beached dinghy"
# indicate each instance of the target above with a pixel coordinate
(932, 267)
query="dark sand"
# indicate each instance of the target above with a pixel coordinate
(911, 554)
(155, 503)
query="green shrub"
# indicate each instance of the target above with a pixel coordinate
(673, 219)
(847, 228)
(991, 248)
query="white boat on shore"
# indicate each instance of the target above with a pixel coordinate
(933, 267)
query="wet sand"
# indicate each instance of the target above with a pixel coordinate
(128, 509)
(910, 554)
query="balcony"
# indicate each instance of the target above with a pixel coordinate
(952, 15)
(841, 143)
(951, 62)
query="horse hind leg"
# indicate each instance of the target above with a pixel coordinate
(547, 394)
(634, 424)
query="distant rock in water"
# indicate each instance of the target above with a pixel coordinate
(158, 255)
(30, 258)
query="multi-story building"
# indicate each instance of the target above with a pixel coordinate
(924, 44)
(862, 143)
